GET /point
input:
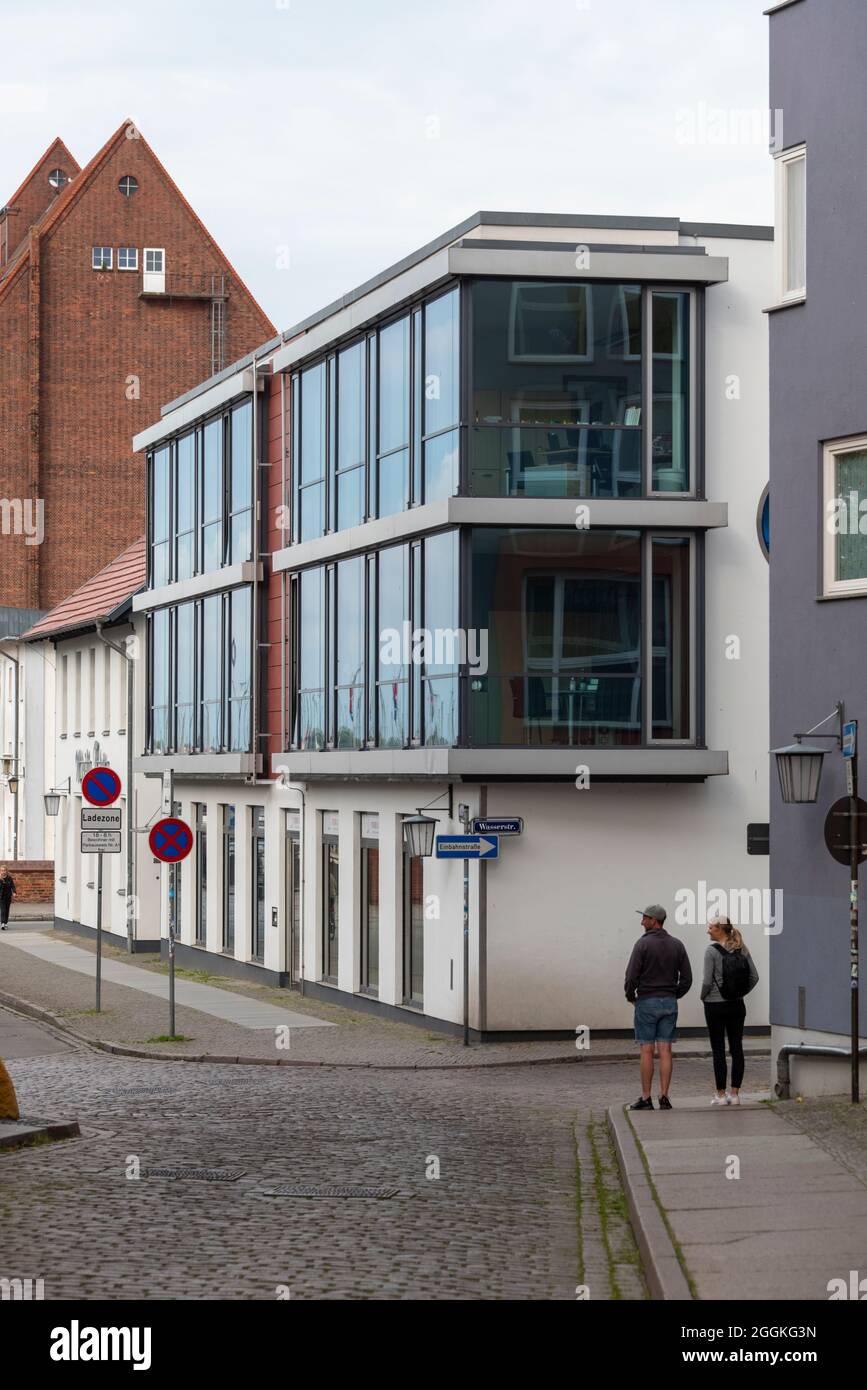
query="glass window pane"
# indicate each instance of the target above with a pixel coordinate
(212, 472)
(394, 386)
(312, 501)
(370, 908)
(350, 498)
(160, 517)
(242, 536)
(441, 617)
(185, 651)
(350, 411)
(212, 546)
(394, 483)
(563, 615)
(851, 487)
(393, 700)
(186, 556)
(240, 669)
(160, 680)
(186, 482)
(442, 362)
(796, 224)
(212, 664)
(242, 456)
(557, 389)
(313, 423)
(671, 638)
(160, 564)
(671, 397)
(441, 456)
(310, 732)
(350, 653)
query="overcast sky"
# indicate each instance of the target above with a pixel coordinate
(338, 135)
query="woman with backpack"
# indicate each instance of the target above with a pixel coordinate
(729, 975)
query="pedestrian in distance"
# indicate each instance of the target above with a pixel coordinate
(657, 976)
(7, 893)
(729, 975)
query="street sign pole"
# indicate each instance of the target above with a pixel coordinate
(854, 851)
(172, 924)
(464, 813)
(98, 932)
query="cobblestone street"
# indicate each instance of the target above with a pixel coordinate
(500, 1220)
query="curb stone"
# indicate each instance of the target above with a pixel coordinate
(34, 1011)
(662, 1268)
(22, 1132)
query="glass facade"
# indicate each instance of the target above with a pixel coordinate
(200, 498)
(377, 648)
(558, 389)
(567, 661)
(375, 426)
(200, 675)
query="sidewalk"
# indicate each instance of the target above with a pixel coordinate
(793, 1218)
(51, 973)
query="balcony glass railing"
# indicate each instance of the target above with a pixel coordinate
(595, 709)
(566, 460)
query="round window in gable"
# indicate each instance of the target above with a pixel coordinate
(58, 178)
(128, 185)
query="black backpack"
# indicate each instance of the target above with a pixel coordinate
(735, 981)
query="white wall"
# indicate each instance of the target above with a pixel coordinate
(102, 720)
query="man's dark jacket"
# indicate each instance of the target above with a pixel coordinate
(7, 888)
(658, 965)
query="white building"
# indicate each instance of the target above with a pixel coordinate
(26, 741)
(91, 642)
(545, 436)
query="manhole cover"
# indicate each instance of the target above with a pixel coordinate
(290, 1190)
(196, 1174)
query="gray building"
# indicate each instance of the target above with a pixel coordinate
(818, 478)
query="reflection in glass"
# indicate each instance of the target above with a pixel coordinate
(442, 363)
(671, 369)
(562, 610)
(671, 637)
(441, 457)
(349, 685)
(370, 919)
(212, 496)
(185, 696)
(413, 930)
(239, 669)
(229, 879)
(393, 701)
(160, 681)
(257, 815)
(185, 494)
(850, 470)
(312, 463)
(394, 386)
(331, 910)
(310, 725)
(212, 671)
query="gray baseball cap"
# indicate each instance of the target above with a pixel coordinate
(655, 911)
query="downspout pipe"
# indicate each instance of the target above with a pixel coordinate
(782, 1088)
(130, 798)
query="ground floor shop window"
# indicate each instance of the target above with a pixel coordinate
(330, 897)
(201, 875)
(413, 931)
(257, 858)
(370, 918)
(229, 879)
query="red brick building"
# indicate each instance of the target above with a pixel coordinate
(114, 299)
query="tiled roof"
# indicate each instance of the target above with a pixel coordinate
(98, 598)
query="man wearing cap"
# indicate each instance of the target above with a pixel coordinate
(658, 974)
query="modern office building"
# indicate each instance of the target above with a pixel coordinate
(818, 479)
(506, 559)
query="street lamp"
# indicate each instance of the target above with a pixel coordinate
(800, 770)
(52, 803)
(418, 835)
(12, 784)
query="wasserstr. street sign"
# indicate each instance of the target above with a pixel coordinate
(467, 847)
(498, 825)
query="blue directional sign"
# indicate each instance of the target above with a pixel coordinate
(508, 825)
(850, 733)
(467, 847)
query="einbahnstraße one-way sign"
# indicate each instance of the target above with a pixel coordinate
(467, 847)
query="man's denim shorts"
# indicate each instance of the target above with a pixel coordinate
(655, 1019)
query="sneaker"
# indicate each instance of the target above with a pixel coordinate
(664, 1103)
(721, 1100)
(642, 1104)
(732, 1100)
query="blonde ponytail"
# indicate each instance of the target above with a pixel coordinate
(734, 941)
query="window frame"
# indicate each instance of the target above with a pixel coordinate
(831, 451)
(102, 262)
(782, 163)
(128, 249)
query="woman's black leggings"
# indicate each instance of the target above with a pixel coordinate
(724, 1018)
